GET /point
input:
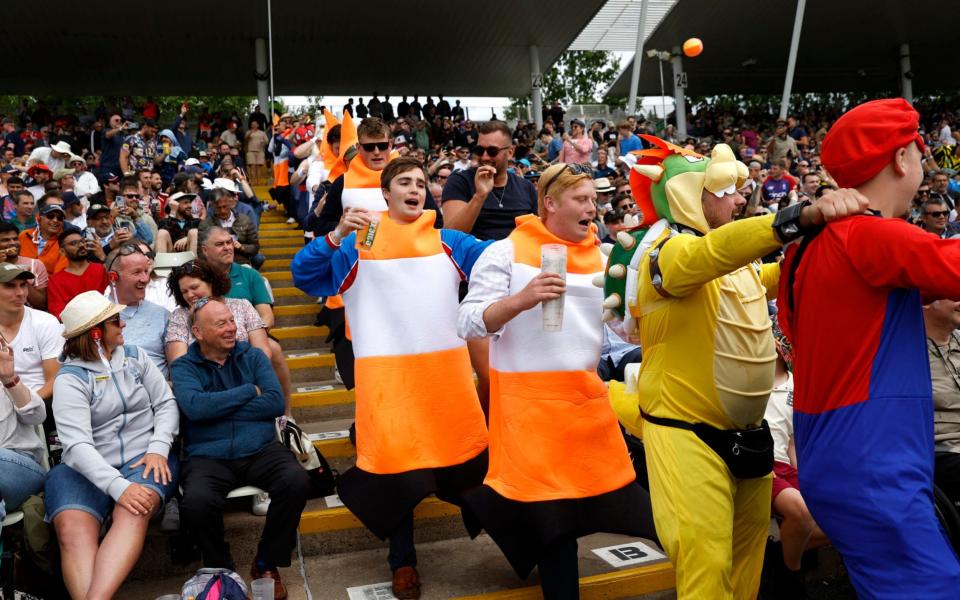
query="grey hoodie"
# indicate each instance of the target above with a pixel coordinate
(105, 425)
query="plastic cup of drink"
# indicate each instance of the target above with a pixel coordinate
(553, 259)
(262, 589)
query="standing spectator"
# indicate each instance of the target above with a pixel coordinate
(116, 418)
(782, 145)
(10, 253)
(457, 111)
(41, 241)
(362, 111)
(179, 127)
(25, 206)
(257, 117)
(415, 109)
(941, 319)
(230, 397)
(80, 275)
(86, 183)
(373, 106)
(55, 156)
(443, 107)
(230, 137)
(628, 142)
(11, 137)
(139, 151)
(255, 142)
(112, 146)
(403, 109)
(386, 110)
(556, 113)
(577, 146)
(129, 271)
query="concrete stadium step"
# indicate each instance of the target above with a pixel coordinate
(301, 337)
(322, 400)
(276, 264)
(309, 365)
(278, 278)
(284, 295)
(289, 315)
(476, 569)
(275, 225)
(281, 251)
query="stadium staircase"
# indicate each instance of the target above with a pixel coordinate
(337, 551)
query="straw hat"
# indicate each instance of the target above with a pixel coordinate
(85, 311)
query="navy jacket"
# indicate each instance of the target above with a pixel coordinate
(221, 415)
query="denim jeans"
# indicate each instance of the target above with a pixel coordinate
(20, 477)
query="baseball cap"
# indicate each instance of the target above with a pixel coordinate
(191, 161)
(96, 209)
(203, 153)
(602, 185)
(9, 272)
(193, 169)
(109, 177)
(69, 198)
(578, 122)
(49, 208)
(8, 169)
(68, 229)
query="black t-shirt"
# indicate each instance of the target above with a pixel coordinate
(495, 222)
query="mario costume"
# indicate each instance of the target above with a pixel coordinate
(420, 428)
(851, 305)
(696, 298)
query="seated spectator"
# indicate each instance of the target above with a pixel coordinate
(615, 355)
(798, 530)
(116, 418)
(935, 213)
(25, 206)
(41, 241)
(41, 175)
(128, 206)
(941, 318)
(14, 185)
(217, 250)
(157, 290)
(244, 200)
(230, 398)
(80, 275)
(21, 449)
(73, 209)
(129, 270)
(10, 253)
(246, 239)
(613, 223)
(178, 231)
(34, 335)
(100, 219)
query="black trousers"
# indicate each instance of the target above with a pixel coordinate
(206, 483)
(946, 475)
(402, 551)
(559, 571)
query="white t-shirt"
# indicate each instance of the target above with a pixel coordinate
(45, 155)
(461, 165)
(40, 338)
(946, 136)
(86, 185)
(779, 416)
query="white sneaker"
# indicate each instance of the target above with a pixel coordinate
(171, 516)
(261, 503)
(336, 376)
(291, 221)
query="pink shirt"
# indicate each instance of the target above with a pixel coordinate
(36, 267)
(577, 150)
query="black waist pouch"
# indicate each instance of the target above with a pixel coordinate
(747, 452)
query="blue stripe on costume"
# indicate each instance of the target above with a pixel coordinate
(866, 471)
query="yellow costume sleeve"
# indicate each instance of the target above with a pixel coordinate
(687, 262)
(770, 277)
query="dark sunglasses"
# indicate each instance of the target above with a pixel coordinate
(938, 213)
(381, 146)
(575, 168)
(131, 196)
(114, 320)
(491, 151)
(54, 216)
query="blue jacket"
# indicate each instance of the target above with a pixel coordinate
(221, 415)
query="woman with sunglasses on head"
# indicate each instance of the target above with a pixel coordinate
(116, 418)
(559, 466)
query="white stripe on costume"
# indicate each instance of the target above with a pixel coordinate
(368, 198)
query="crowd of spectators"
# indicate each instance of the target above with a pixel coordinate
(111, 202)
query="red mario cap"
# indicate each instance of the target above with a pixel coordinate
(864, 139)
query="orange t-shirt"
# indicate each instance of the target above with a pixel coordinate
(50, 257)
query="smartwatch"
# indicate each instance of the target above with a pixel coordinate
(787, 222)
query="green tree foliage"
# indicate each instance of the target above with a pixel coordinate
(578, 77)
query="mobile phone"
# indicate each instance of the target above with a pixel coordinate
(90, 234)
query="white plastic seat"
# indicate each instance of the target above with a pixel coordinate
(247, 490)
(13, 518)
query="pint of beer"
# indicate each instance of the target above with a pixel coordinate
(553, 259)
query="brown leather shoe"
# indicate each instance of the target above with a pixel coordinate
(279, 592)
(406, 583)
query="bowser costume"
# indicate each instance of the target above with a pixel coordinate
(420, 428)
(696, 299)
(851, 304)
(559, 467)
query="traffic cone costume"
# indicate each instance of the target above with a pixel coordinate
(559, 467)
(420, 428)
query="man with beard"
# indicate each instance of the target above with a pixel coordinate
(80, 275)
(178, 232)
(10, 253)
(139, 150)
(41, 241)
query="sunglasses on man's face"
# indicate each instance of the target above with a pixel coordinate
(490, 151)
(132, 196)
(370, 146)
(938, 213)
(53, 216)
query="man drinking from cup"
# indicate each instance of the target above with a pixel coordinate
(547, 403)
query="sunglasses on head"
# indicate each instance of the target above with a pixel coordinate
(938, 213)
(575, 168)
(370, 146)
(490, 151)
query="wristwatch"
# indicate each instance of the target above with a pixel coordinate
(787, 222)
(13, 382)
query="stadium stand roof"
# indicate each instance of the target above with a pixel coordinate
(614, 27)
(853, 45)
(206, 47)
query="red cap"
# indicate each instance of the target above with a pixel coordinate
(864, 139)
